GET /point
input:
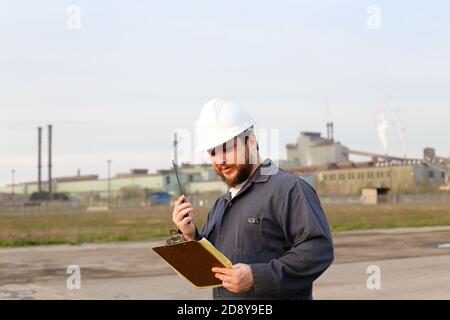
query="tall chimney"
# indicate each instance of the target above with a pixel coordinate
(331, 131)
(50, 161)
(39, 159)
(328, 130)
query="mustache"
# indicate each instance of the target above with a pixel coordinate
(225, 166)
(243, 172)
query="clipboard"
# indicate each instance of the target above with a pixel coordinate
(193, 260)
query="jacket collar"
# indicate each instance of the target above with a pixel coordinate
(263, 172)
(261, 175)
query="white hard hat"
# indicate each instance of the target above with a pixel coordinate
(221, 120)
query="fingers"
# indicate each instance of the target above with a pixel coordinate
(185, 221)
(179, 208)
(237, 279)
(183, 213)
(225, 275)
(228, 282)
(222, 270)
(180, 200)
(222, 274)
(184, 206)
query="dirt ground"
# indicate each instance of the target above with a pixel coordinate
(411, 263)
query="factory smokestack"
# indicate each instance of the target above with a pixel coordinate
(331, 131)
(50, 161)
(39, 159)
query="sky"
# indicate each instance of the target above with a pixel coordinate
(117, 78)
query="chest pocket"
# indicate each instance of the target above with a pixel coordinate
(249, 233)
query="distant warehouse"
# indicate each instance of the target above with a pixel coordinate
(350, 178)
(326, 165)
(195, 178)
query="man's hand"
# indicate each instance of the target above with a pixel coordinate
(183, 217)
(238, 279)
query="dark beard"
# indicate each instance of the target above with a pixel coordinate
(244, 171)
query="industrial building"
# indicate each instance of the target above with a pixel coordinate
(311, 149)
(323, 162)
(326, 165)
(386, 177)
(195, 179)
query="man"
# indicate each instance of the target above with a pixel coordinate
(270, 224)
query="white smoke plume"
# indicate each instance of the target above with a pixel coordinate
(388, 118)
(382, 128)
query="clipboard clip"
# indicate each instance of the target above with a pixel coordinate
(174, 237)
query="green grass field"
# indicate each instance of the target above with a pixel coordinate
(360, 217)
(137, 225)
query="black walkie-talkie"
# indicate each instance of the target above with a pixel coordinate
(178, 178)
(179, 183)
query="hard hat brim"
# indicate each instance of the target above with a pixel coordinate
(214, 142)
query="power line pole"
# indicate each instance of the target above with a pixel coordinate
(50, 162)
(109, 182)
(39, 159)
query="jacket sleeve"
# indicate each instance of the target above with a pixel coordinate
(307, 232)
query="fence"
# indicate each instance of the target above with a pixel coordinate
(430, 198)
(206, 201)
(22, 206)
